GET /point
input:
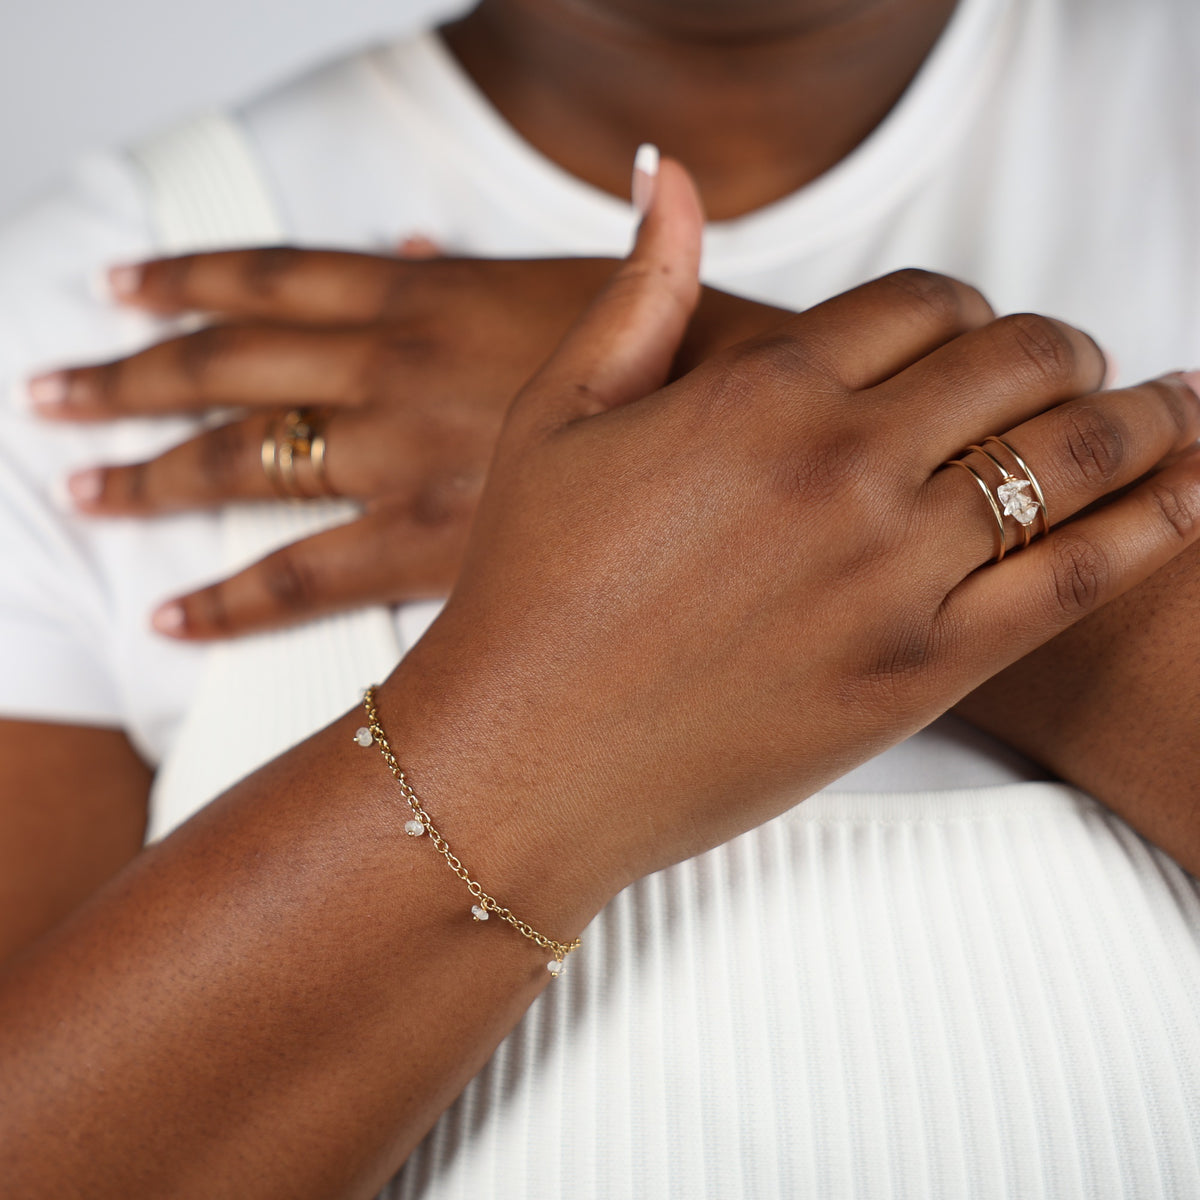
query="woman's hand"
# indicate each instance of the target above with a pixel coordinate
(409, 365)
(749, 581)
(680, 611)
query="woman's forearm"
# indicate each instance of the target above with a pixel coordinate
(289, 989)
(1113, 706)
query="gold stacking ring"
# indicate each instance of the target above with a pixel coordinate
(1018, 496)
(293, 456)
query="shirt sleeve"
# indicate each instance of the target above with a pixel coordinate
(55, 616)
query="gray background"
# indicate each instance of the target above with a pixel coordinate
(75, 74)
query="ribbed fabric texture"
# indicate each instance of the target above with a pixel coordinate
(206, 189)
(985, 994)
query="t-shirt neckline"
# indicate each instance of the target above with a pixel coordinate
(933, 111)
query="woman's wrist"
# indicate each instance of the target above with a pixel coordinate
(484, 785)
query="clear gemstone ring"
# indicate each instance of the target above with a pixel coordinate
(1014, 496)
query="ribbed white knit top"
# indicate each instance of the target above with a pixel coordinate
(981, 995)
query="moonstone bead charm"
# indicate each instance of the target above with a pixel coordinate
(363, 736)
(555, 967)
(479, 913)
(414, 828)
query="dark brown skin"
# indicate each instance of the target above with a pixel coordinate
(412, 365)
(279, 999)
(62, 841)
(757, 98)
(1112, 706)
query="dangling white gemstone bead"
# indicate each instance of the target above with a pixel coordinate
(479, 913)
(363, 736)
(555, 966)
(414, 828)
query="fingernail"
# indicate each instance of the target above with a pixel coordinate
(1112, 369)
(1192, 379)
(98, 286)
(417, 246)
(86, 486)
(645, 175)
(19, 398)
(169, 618)
(124, 280)
(49, 393)
(61, 496)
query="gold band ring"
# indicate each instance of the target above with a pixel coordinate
(270, 459)
(296, 440)
(1001, 540)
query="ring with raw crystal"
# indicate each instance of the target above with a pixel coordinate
(1019, 498)
(1038, 501)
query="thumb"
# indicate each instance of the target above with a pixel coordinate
(622, 347)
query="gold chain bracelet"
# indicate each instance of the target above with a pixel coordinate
(421, 823)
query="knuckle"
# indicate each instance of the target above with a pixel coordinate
(383, 362)
(1043, 346)
(127, 486)
(1177, 508)
(170, 277)
(100, 385)
(289, 581)
(406, 289)
(443, 502)
(264, 272)
(208, 610)
(1095, 442)
(929, 292)
(1178, 403)
(1080, 573)
(221, 455)
(201, 353)
(780, 361)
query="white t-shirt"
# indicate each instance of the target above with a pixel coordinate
(924, 993)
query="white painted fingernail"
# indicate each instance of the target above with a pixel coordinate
(169, 618)
(19, 399)
(61, 496)
(49, 393)
(98, 287)
(124, 280)
(645, 177)
(86, 486)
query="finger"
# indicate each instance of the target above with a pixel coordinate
(1078, 452)
(621, 348)
(278, 282)
(1004, 611)
(242, 365)
(867, 335)
(991, 378)
(217, 466)
(392, 555)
